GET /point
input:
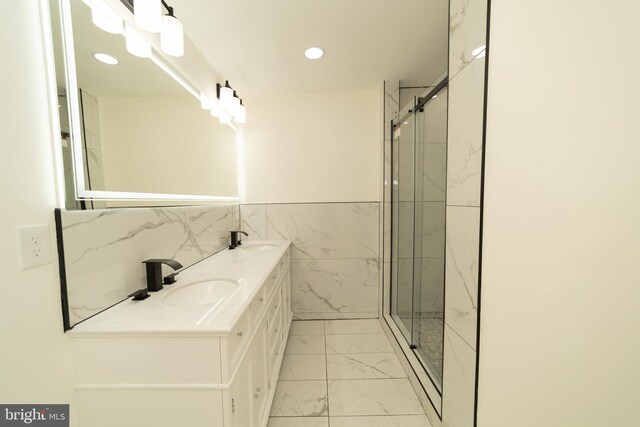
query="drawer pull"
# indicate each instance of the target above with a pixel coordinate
(239, 334)
(261, 299)
(257, 389)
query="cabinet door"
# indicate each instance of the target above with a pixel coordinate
(241, 397)
(259, 381)
(287, 294)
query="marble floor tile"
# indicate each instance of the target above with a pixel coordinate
(300, 399)
(355, 326)
(304, 367)
(299, 422)
(364, 366)
(358, 343)
(307, 327)
(381, 421)
(305, 344)
(373, 397)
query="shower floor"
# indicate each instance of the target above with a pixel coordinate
(430, 342)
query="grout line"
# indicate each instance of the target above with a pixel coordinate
(326, 370)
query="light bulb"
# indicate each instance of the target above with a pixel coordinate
(234, 106)
(148, 14)
(105, 18)
(226, 97)
(216, 109)
(136, 45)
(241, 116)
(314, 53)
(172, 36)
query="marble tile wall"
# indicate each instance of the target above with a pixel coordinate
(391, 110)
(467, 33)
(103, 249)
(468, 22)
(335, 265)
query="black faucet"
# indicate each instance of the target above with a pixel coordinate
(154, 272)
(235, 238)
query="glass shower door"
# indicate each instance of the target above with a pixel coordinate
(419, 153)
(403, 206)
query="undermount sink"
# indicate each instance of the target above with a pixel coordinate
(207, 291)
(258, 247)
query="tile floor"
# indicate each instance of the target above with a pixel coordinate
(343, 373)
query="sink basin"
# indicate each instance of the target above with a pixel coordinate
(207, 291)
(257, 248)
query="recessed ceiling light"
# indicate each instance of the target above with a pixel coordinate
(106, 59)
(479, 51)
(314, 53)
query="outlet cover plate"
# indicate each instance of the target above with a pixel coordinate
(34, 245)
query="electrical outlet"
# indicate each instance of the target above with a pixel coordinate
(33, 242)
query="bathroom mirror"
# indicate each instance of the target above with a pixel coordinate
(133, 132)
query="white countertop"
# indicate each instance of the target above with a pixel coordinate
(249, 268)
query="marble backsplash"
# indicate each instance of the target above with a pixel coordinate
(335, 267)
(104, 249)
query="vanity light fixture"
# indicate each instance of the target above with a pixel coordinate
(226, 96)
(136, 44)
(105, 18)
(314, 53)
(148, 14)
(106, 59)
(216, 109)
(241, 115)
(172, 34)
(228, 105)
(235, 104)
(211, 105)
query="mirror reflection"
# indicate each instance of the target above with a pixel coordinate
(139, 130)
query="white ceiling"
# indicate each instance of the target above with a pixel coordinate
(258, 44)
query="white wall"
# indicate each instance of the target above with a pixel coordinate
(35, 361)
(189, 151)
(313, 147)
(561, 260)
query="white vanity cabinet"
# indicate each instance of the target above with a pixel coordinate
(193, 378)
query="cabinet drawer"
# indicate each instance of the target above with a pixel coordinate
(237, 338)
(258, 306)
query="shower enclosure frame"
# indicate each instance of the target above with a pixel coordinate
(431, 387)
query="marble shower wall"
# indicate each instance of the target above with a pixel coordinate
(391, 111)
(103, 249)
(467, 37)
(335, 268)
